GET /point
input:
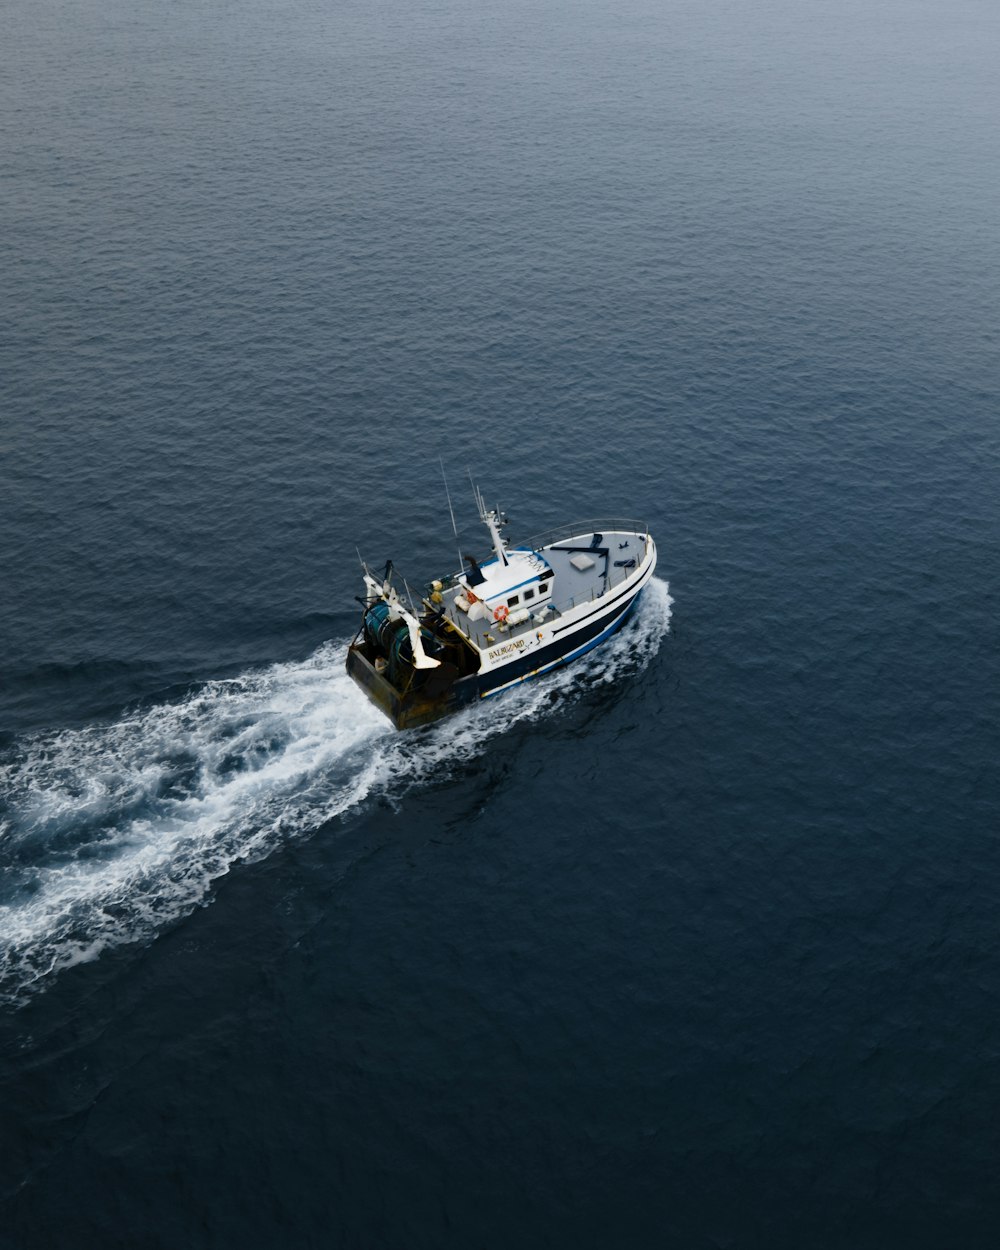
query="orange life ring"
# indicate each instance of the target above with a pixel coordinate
(501, 613)
(471, 597)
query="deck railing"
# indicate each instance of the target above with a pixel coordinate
(579, 529)
(558, 534)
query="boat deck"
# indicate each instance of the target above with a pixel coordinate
(487, 633)
(614, 559)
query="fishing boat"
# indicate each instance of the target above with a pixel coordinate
(501, 620)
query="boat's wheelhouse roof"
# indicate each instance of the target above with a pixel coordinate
(498, 581)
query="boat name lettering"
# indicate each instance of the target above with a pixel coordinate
(508, 647)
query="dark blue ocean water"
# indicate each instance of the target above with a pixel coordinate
(692, 945)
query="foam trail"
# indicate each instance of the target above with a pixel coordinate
(113, 831)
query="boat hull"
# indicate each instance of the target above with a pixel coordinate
(577, 639)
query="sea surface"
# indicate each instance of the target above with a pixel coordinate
(693, 944)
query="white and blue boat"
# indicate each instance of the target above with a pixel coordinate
(500, 621)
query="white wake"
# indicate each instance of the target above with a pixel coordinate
(110, 832)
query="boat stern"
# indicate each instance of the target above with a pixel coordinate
(443, 693)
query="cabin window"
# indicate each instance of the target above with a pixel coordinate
(514, 600)
(529, 594)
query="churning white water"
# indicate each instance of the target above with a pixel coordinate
(112, 831)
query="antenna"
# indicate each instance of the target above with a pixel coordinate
(454, 527)
(478, 496)
(447, 492)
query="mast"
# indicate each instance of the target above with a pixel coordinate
(493, 519)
